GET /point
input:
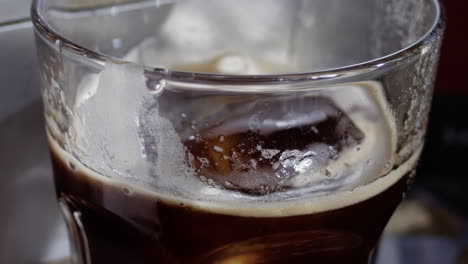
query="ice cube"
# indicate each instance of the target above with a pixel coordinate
(291, 136)
(105, 120)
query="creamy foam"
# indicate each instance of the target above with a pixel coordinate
(255, 207)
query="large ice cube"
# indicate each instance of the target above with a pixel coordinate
(105, 118)
(260, 147)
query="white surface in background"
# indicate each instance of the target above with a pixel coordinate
(18, 66)
(58, 247)
(14, 10)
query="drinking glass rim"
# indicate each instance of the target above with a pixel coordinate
(99, 59)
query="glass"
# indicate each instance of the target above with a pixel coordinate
(266, 131)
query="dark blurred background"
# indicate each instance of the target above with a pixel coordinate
(443, 164)
(430, 227)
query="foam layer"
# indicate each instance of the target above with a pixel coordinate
(255, 207)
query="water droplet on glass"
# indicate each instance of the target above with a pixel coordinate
(158, 87)
(58, 45)
(425, 49)
(221, 138)
(183, 115)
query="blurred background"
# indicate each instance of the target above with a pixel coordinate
(429, 227)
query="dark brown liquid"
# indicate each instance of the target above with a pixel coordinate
(137, 228)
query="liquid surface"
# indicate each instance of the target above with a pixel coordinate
(118, 223)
